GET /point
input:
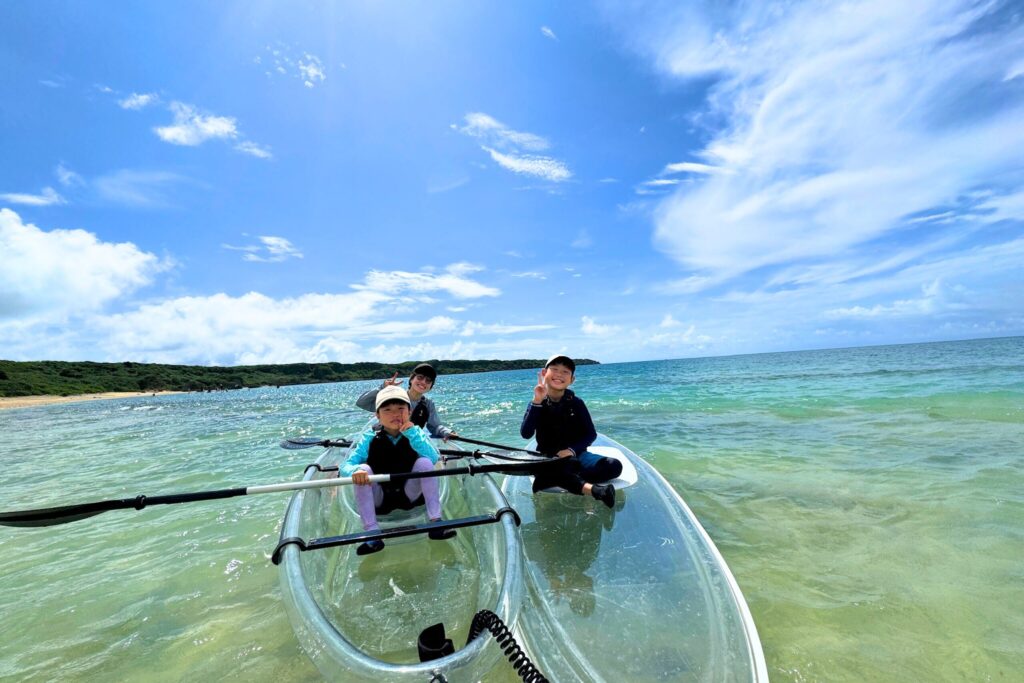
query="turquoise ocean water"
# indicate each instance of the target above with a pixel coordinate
(870, 503)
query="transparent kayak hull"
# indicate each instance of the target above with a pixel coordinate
(358, 618)
(634, 593)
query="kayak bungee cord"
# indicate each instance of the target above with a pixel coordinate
(432, 644)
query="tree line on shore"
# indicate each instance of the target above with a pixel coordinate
(63, 378)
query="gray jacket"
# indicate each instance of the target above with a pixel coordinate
(433, 426)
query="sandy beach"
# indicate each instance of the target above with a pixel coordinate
(8, 402)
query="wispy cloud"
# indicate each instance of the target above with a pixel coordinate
(67, 177)
(829, 124)
(548, 33)
(540, 166)
(138, 188)
(137, 101)
(454, 280)
(251, 148)
(271, 250)
(512, 149)
(582, 241)
(46, 197)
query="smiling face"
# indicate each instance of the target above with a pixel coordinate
(393, 415)
(558, 376)
(421, 383)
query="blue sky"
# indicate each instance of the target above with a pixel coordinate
(246, 182)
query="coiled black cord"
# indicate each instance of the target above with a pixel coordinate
(485, 618)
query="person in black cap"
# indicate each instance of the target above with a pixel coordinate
(424, 412)
(564, 429)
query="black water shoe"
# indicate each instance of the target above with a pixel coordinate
(604, 493)
(370, 547)
(441, 534)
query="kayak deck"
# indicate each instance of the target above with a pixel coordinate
(637, 592)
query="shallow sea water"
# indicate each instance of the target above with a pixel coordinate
(870, 503)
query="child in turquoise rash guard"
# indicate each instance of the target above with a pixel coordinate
(565, 430)
(399, 447)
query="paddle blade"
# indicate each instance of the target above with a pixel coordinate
(56, 515)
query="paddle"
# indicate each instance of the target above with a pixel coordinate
(298, 442)
(456, 437)
(70, 513)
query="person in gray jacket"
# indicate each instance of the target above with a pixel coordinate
(424, 412)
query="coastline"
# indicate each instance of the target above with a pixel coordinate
(11, 402)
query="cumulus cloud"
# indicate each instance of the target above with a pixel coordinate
(138, 101)
(47, 197)
(61, 272)
(193, 128)
(512, 149)
(280, 61)
(311, 70)
(590, 327)
(829, 124)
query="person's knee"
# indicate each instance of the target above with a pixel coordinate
(422, 465)
(607, 468)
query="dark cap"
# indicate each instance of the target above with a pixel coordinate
(561, 360)
(425, 369)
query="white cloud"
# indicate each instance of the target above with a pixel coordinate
(534, 274)
(47, 197)
(512, 149)
(67, 177)
(258, 151)
(272, 250)
(453, 281)
(138, 101)
(840, 119)
(138, 188)
(471, 328)
(496, 134)
(590, 327)
(311, 70)
(691, 167)
(542, 167)
(548, 33)
(192, 128)
(669, 321)
(582, 241)
(61, 272)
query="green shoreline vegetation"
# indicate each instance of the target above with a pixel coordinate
(62, 378)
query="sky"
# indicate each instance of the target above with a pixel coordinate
(274, 182)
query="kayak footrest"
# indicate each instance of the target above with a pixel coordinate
(392, 532)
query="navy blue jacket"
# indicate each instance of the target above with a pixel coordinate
(559, 425)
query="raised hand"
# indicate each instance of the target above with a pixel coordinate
(540, 392)
(407, 425)
(394, 381)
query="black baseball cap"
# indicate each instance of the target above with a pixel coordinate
(425, 369)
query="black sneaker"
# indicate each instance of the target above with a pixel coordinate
(441, 534)
(370, 547)
(604, 493)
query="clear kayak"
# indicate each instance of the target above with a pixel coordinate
(634, 593)
(359, 618)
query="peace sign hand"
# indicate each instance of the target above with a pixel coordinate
(393, 382)
(540, 392)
